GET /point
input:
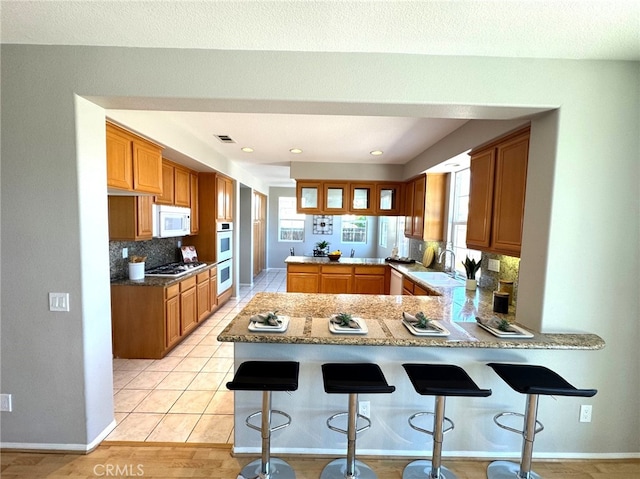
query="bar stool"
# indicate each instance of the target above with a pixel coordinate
(266, 376)
(352, 379)
(439, 380)
(532, 381)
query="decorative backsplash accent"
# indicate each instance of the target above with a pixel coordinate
(158, 251)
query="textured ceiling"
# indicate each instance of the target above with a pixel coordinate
(604, 30)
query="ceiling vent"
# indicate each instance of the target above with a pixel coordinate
(225, 138)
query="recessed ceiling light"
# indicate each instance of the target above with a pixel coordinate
(295, 151)
(376, 152)
(247, 149)
(452, 165)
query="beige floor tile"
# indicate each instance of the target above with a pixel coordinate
(218, 365)
(202, 351)
(181, 350)
(210, 340)
(177, 380)
(206, 382)
(192, 402)
(147, 380)
(126, 400)
(212, 429)
(224, 351)
(164, 364)
(122, 377)
(135, 427)
(119, 416)
(221, 403)
(174, 428)
(159, 401)
(191, 364)
(132, 364)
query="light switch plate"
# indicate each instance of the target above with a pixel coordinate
(58, 301)
(5, 403)
(125, 252)
(494, 265)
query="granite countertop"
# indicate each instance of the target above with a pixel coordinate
(158, 280)
(344, 260)
(309, 315)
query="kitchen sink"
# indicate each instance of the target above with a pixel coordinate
(435, 278)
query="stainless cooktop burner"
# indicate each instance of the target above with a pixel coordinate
(174, 270)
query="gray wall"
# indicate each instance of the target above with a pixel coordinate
(582, 201)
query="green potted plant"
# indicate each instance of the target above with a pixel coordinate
(322, 247)
(471, 268)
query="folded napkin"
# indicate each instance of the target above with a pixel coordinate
(497, 323)
(270, 318)
(419, 321)
(336, 319)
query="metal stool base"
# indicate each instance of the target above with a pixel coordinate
(279, 469)
(337, 469)
(421, 469)
(507, 470)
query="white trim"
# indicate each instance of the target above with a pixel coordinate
(61, 447)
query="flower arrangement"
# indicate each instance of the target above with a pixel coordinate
(471, 267)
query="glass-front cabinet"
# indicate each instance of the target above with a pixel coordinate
(309, 195)
(388, 199)
(335, 198)
(361, 198)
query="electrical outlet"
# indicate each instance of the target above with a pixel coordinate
(58, 301)
(125, 252)
(5, 402)
(364, 408)
(494, 265)
(585, 413)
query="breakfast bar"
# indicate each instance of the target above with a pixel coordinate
(387, 341)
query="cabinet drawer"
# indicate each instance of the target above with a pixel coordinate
(303, 268)
(408, 285)
(330, 269)
(202, 277)
(172, 290)
(376, 270)
(187, 283)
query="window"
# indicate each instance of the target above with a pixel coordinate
(458, 219)
(354, 229)
(290, 223)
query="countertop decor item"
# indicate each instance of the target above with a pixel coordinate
(334, 255)
(427, 257)
(471, 268)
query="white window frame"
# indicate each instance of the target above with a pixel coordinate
(288, 215)
(349, 219)
(459, 201)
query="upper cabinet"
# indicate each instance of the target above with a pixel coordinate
(176, 185)
(335, 197)
(425, 197)
(224, 203)
(130, 218)
(195, 210)
(133, 163)
(497, 194)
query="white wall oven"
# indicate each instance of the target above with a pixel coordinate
(224, 255)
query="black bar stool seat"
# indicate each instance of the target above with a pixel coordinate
(352, 379)
(266, 376)
(532, 381)
(439, 380)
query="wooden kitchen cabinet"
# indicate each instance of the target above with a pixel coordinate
(371, 280)
(309, 195)
(388, 199)
(133, 163)
(224, 189)
(176, 185)
(303, 278)
(130, 218)
(172, 316)
(195, 210)
(335, 198)
(497, 195)
(409, 288)
(203, 299)
(168, 193)
(336, 279)
(188, 305)
(361, 197)
(425, 198)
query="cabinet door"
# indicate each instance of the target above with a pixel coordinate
(419, 197)
(182, 183)
(480, 199)
(188, 310)
(335, 198)
(309, 196)
(336, 283)
(509, 195)
(213, 291)
(368, 284)
(387, 199)
(224, 198)
(168, 176)
(203, 301)
(361, 198)
(228, 200)
(408, 202)
(434, 213)
(147, 167)
(130, 218)
(195, 210)
(303, 283)
(172, 317)
(144, 220)
(119, 159)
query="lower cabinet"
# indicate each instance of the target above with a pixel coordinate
(410, 288)
(148, 321)
(337, 279)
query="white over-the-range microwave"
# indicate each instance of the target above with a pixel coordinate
(171, 221)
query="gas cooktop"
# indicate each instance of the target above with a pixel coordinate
(174, 270)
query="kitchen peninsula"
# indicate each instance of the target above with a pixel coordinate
(390, 344)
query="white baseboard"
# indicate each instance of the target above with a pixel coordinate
(85, 448)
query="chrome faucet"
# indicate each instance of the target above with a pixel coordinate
(453, 262)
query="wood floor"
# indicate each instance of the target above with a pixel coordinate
(163, 462)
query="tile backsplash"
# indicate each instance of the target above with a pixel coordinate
(158, 251)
